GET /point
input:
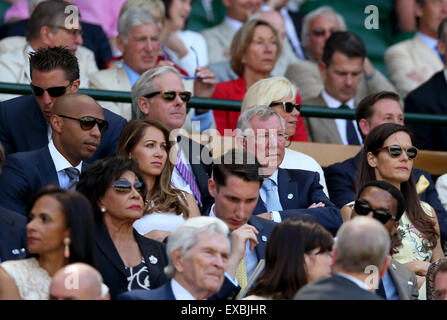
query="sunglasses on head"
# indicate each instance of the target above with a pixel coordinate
(395, 151)
(88, 122)
(288, 106)
(363, 208)
(125, 186)
(52, 92)
(170, 95)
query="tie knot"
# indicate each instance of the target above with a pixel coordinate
(268, 184)
(343, 106)
(72, 173)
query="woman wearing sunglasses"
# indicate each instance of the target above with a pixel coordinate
(59, 231)
(388, 155)
(147, 141)
(254, 50)
(126, 260)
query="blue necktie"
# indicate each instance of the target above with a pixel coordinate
(272, 202)
(351, 134)
(73, 174)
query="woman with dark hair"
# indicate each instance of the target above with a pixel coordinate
(388, 155)
(126, 260)
(147, 142)
(60, 232)
(290, 267)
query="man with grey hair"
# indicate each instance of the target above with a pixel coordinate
(159, 95)
(198, 253)
(47, 27)
(318, 25)
(360, 258)
(285, 192)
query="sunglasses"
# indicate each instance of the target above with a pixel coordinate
(320, 32)
(170, 95)
(124, 186)
(362, 207)
(288, 106)
(74, 32)
(88, 122)
(395, 151)
(52, 92)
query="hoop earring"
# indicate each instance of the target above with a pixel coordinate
(67, 247)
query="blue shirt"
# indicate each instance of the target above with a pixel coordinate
(131, 75)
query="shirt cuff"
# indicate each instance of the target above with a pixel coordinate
(204, 120)
(276, 216)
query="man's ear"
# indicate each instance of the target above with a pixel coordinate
(75, 85)
(322, 67)
(364, 127)
(418, 9)
(441, 47)
(177, 260)
(334, 255)
(212, 187)
(120, 43)
(143, 104)
(57, 123)
(46, 36)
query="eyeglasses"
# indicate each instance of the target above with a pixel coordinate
(88, 122)
(362, 207)
(170, 95)
(395, 151)
(288, 106)
(321, 32)
(52, 92)
(124, 186)
(74, 32)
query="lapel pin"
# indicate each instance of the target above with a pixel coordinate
(264, 238)
(153, 260)
(290, 196)
(394, 266)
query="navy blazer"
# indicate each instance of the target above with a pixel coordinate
(23, 175)
(23, 128)
(429, 98)
(162, 293)
(93, 37)
(341, 184)
(112, 267)
(298, 189)
(13, 241)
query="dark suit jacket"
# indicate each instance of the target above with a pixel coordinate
(23, 175)
(201, 162)
(12, 234)
(93, 37)
(334, 287)
(341, 184)
(112, 267)
(23, 128)
(298, 189)
(162, 293)
(429, 98)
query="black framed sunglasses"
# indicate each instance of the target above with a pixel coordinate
(88, 122)
(288, 106)
(124, 186)
(395, 151)
(170, 95)
(363, 207)
(52, 91)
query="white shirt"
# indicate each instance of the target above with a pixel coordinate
(180, 293)
(235, 24)
(341, 123)
(355, 280)
(61, 164)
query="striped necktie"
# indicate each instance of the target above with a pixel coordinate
(241, 273)
(351, 134)
(73, 174)
(189, 178)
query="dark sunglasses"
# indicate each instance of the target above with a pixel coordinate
(125, 186)
(170, 95)
(362, 207)
(288, 106)
(88, 122)
(395, 151)
(53, 91)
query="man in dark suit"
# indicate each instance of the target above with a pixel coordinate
(159, 94)
(375, 197)
(372, 111)
(285, 192)
(198, 254)
(77, 122)
(430, 98)
(24, 121)
(360, 259)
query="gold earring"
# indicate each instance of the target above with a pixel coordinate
(67, 247)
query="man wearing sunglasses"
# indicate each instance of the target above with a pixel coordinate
(385, 203)
(46, 28)
(372, 111)
(24, 121)
(77, 122)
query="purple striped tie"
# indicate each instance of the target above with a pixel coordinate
(189, 178)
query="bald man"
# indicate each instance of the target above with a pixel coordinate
(78, 281)
(77, 122)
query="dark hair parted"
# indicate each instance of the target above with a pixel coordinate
(78, 219)
(164, 196)
(345, 42)
(373, 142)
(97, 178)
(285, 270)
(239, 163)
(49, 59)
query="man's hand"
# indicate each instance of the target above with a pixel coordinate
(317, 205)
(239, 238)
(205, 83)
